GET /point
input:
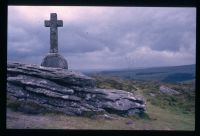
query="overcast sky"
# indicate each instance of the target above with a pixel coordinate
(105, 37)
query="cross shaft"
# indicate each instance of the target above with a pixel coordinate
(53, 23)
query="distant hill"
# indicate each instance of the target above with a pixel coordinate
(166, 74)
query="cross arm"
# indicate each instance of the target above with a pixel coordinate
(60, 23)
(47, 23)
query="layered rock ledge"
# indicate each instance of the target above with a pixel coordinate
(67, 91)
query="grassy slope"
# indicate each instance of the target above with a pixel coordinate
(173, 112)
(161, 120)
(165, 112)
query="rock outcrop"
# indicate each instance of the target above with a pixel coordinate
(167, 90)
(67, 91)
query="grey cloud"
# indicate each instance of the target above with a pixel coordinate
(73, 40)
(118, 32)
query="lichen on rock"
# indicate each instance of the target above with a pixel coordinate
(66, 91)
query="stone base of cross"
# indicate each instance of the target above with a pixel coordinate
(53, 59)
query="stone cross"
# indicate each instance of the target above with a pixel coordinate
(53, 23)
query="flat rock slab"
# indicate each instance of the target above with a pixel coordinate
(62, 76)
(67, 91)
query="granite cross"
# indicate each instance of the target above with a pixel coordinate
(53, 23)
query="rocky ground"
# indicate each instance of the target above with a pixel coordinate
(34, 102)
(38, 89)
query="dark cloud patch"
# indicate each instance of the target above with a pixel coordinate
(75, 40)
(25, 40)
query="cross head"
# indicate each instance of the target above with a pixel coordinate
(53, 23)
